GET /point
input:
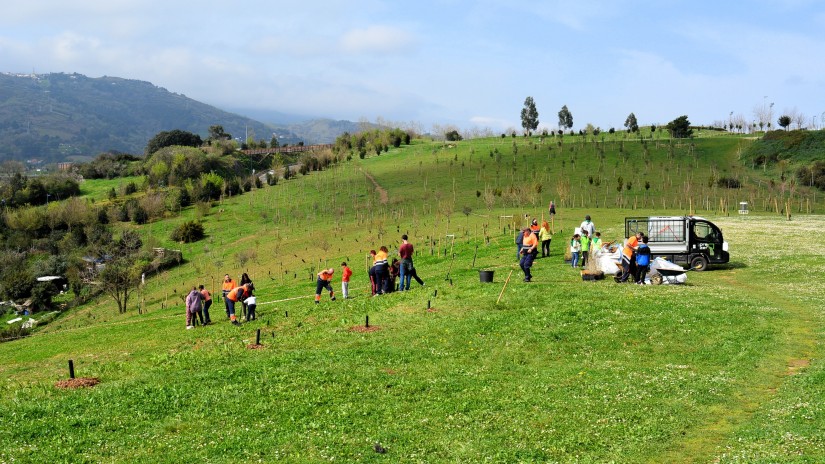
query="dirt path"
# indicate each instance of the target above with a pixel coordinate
(382, 192)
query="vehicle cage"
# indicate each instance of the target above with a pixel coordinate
(658, 230)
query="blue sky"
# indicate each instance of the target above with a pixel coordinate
(463, 63)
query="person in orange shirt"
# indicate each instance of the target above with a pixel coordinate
(228, 285)
(235, 295)
(324, 279)
(627, 255)
(529, 250)
(207, 302)
(346, 273)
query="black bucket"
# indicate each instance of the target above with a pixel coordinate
(486, 276)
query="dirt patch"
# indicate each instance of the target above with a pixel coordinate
(382, 192)
(389, 371)
(254, 346)
(364, 329)
(80, 382)
(797, 365)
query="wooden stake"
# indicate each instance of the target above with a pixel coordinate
(505, 286)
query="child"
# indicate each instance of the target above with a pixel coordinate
(250, 307)
(346, 273)
(395, 271)
(324, 279)
(575, 248)
(585, 242)
(642, 261)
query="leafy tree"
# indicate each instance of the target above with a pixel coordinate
(216, 132)
(784, 121)
(121, 274)
(188, 232)
(680, 128)
(453, 136)
(565, 118)
(631, 124)
(173, 137)
(273, 142)
(529, 116)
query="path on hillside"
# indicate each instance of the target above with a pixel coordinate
(382, 192)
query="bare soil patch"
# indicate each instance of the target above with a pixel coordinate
(80, 382)
(253, 346)
(364, 329)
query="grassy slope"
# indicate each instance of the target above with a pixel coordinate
(561, 370)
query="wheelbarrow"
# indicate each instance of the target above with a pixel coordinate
(666, 275)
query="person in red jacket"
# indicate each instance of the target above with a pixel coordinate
(346, 273)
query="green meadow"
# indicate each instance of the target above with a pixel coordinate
(726, 368)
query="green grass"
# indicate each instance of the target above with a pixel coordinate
(560, 371)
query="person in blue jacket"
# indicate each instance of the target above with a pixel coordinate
(642, 261)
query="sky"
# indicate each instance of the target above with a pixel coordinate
(433, 63)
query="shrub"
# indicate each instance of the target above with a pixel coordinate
(728, 182)
(189, 231)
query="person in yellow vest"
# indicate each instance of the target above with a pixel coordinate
(324, 282)
(545, 236)
(235, 295)
(585, 241)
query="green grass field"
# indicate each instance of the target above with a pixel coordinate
(724, 369)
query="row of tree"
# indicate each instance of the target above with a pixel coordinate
(678, 128)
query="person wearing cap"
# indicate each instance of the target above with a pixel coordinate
(588, 225)
(534, 226)
(324, 279)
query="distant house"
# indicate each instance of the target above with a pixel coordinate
(64, 166)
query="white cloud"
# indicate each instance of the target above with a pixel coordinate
(376, 39)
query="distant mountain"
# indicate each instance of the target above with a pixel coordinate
(54, 116)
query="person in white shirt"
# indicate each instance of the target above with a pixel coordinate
(250, 303)
(588, 225)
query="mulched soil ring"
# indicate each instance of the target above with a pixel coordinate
(79, 382)
(362, 329)
(431, 310)
(253, 346)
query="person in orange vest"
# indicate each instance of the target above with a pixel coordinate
(628, 255)
(235, 295)
(228, 285)
(346, 273)
(324, 279)
(529, 245)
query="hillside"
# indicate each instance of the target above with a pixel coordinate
(727, 368)
(53, 116)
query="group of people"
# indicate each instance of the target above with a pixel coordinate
(581, 244)
(383, 275)
(199, 300)
(635, 259)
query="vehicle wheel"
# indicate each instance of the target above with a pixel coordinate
(656, 279)
(699, 263)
